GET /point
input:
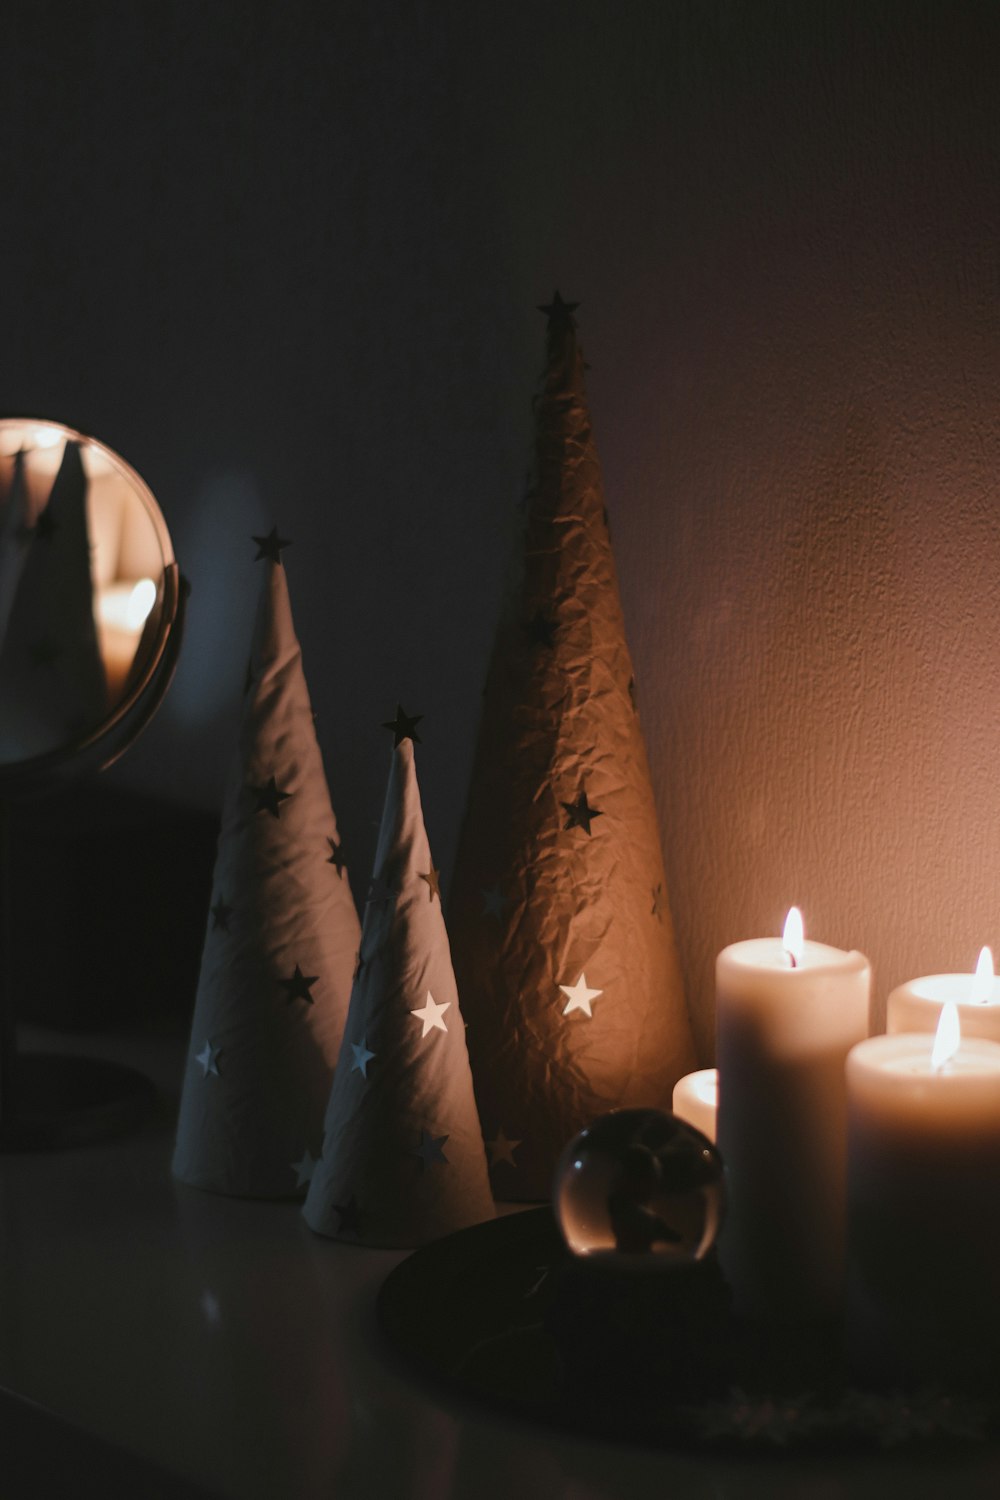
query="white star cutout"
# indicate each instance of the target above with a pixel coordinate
(209, 1060)
(578, 996)
(432, 1014)
(304, 1169)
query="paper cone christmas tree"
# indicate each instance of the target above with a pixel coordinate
(561, 927)
(13, 532)
(281, 943)
(403, 1159)
(52, 684)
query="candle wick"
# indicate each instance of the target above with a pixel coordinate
(791, 958)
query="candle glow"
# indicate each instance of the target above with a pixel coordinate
(947, 1038)
(982, 984)
(916, 1005)
(793, 937)
(126, 605)
(121, 610)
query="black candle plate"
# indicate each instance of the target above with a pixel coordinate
(502, 1314)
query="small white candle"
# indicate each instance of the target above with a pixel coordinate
(916, 1005)
(924, 1206)
(696, 1098)
(786, 1017)
(120, 613)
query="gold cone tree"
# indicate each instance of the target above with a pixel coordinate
(282, 938)
(561, 928)
(403, 1158)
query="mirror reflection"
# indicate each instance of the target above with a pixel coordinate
(83, 553)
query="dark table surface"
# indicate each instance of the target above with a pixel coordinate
(174, 1343)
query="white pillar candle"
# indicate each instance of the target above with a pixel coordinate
(785, 1022)
(923, 1300)
(120, 613)
(696, 1098)
(916, 1005)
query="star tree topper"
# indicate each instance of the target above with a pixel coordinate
(403, 726)
(270, 546)
(558, 311)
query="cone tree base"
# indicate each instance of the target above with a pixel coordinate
(72, 1101)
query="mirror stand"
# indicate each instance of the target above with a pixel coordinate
(48, 1100)
(52, 1100)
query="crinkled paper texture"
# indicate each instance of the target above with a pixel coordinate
(416, 1085)
(559, 720)
(243, 1131)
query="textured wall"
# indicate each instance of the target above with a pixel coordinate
(286, 258)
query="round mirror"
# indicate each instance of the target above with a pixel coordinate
(91, 613)
(89, 597)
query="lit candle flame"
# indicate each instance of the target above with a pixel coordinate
(947, 1038)
(982, 980)
(126, 605)
(793, 937)
(707, 1087)
(140, 604)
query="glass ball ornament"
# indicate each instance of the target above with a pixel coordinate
(640, 1187)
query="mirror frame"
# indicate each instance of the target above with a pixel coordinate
(100, 746)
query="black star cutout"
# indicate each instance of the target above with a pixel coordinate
(431, 1149)
(557, 310)
(336, 855)
(350, 1218)
(541, 630)
(494, 902)
(298, 987)
(404, 726)
(46, 526)
(580, 814)
(269, 798)
(44, 653)
(379, 891)
(433, 879)
(221, 912)
(657, 907)
(270, 546)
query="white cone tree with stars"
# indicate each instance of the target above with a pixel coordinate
(403, 1159)
(561, 929)
(282, 938)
